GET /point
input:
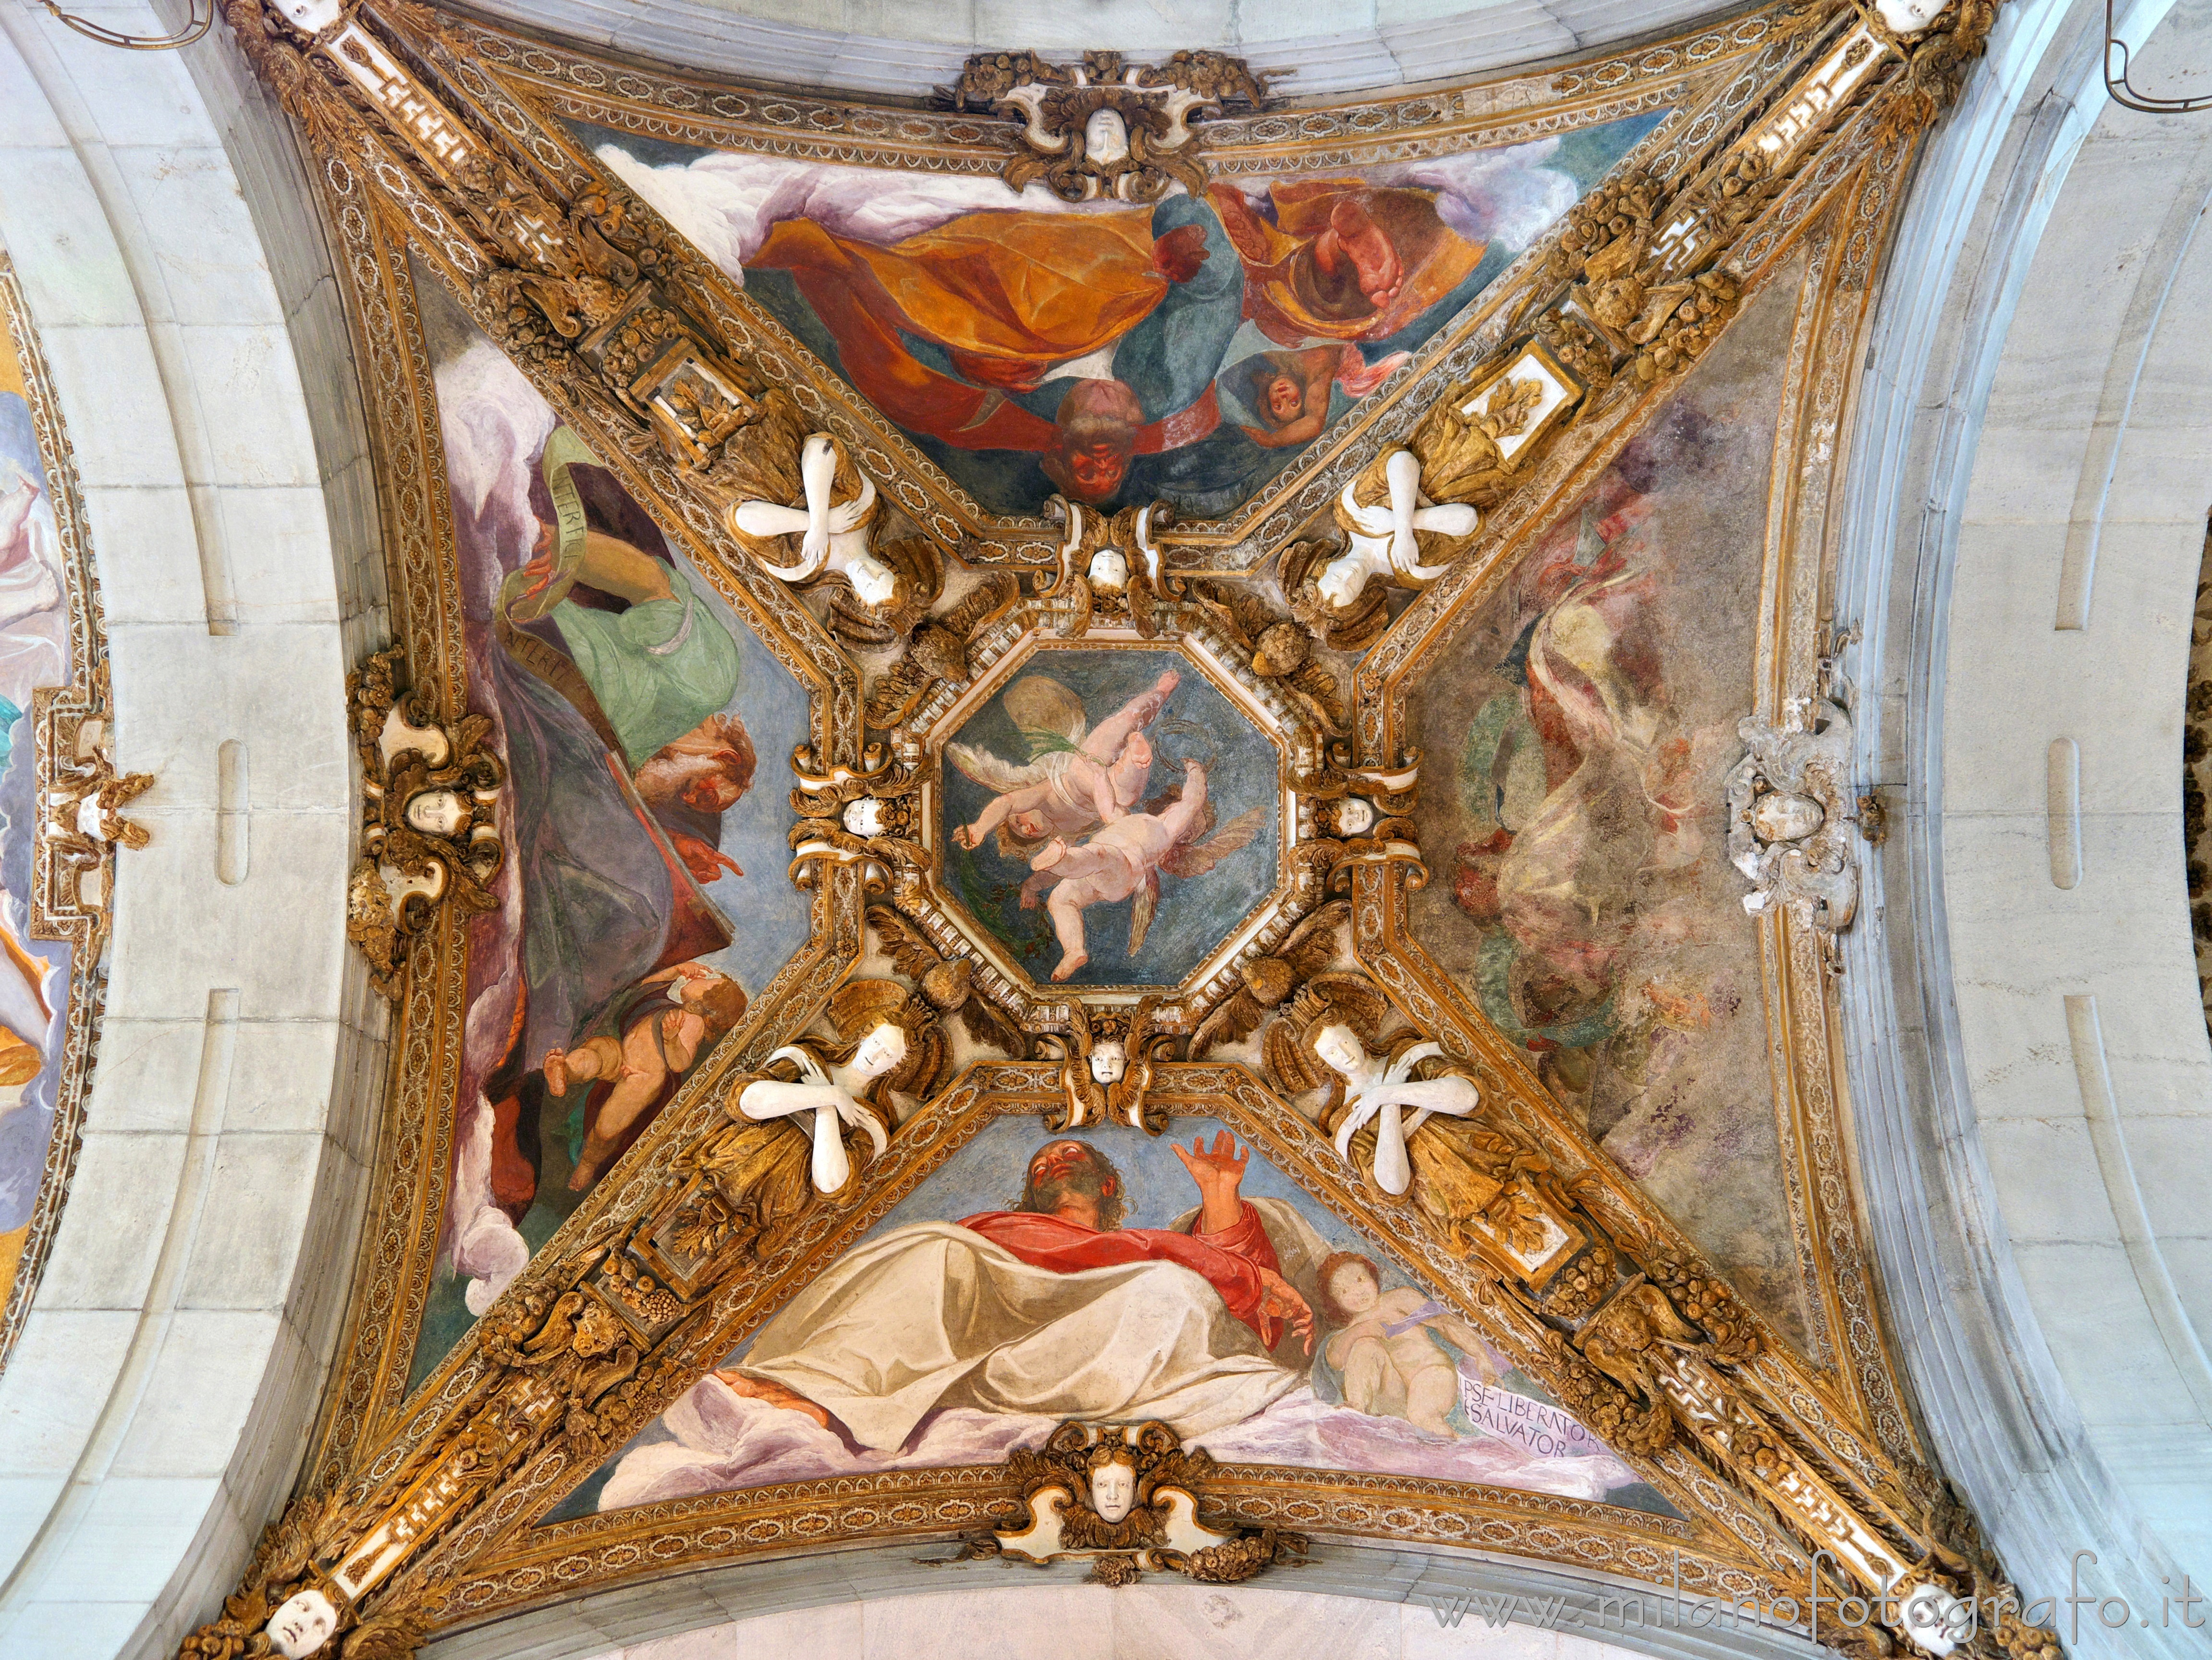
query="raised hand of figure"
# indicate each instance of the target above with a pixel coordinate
(1280, 1297)
(1178, 255)
(1218, 1170)
(966, 836)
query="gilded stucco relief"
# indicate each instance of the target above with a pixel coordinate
(1156, 750)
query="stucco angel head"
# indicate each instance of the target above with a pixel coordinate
(1785, 816)
(880, 1051)
(863, 817)
(1110, 566)
(1109, 1061)
(1354, 816)
(1113, 1483)
(1105, 136)
(311, 16)
(1339, 1048)
(1910, 16)
(873, 581)
(1343, 580)
(303, 1623)
(438, 812)
(894, 1040)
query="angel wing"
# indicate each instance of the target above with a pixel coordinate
(909, 953)
(995, 774)
(1312, 944)
(1196, 858)
(1290, 1068)
(1039, 704)
(986, 1025)
(1142, 904)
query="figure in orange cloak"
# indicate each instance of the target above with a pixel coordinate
(955, 332)
(1342, 260)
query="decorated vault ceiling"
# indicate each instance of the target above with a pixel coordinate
(1108, 751)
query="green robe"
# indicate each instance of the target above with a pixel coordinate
(657, 669)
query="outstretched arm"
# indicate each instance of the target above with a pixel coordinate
(1184, 819)
(1219, 1172)
(998, 810)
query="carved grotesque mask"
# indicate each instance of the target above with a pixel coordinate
(1109, 1062)
(1105, 136)
(1355, 816)
(1113, 1490)
(863, 817)
(302, 1624)
(1784, 816)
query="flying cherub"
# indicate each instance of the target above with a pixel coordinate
(1124, 860)
(1082, 775)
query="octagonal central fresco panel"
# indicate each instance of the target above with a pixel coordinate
(1108, 816)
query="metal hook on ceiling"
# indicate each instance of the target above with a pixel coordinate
(195, 29)
(2125, 96)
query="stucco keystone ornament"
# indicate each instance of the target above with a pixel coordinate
(1110, 567)
(429, 816)
(1126, 1498)
(846, 815)
(1103, 128)
(1107, 1068)
(1788, 832)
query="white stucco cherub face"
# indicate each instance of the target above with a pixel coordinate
(311, 16)
(1105, 136)
(1909, 16)
(1355, 816)
(1109, 569)
(863, 817)
(1936, 1619)
(302, 1624)
(881, 1051)
(1109, 1062)
(1784, 816)
(1342, 580)
(1113, 1491)
(872, 580)
(1339, 1047)
(438, 812)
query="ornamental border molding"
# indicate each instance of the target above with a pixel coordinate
(59, 906)
(1511, 1214)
